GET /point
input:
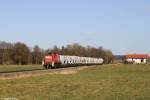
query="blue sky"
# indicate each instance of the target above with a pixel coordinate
(122, 26)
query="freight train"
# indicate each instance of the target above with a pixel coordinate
(56, 60)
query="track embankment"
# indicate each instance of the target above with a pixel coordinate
(68, 70)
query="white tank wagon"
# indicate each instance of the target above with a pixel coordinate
(79, 60)
(55, 60)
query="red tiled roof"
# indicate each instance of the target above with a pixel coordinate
(137, 56)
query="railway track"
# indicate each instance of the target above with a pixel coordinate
(40, 72)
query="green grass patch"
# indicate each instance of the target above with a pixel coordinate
(106, 82)
(15, 68)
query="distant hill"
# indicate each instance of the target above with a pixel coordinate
(119, 57)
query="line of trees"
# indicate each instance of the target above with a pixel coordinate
(20, 53)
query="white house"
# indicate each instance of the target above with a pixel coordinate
(136, 58)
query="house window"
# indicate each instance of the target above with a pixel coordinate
(142, 60)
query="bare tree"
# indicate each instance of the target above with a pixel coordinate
(21, 54)
(37, 55)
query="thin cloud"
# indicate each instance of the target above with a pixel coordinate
(90, 33)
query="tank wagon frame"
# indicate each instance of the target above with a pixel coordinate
(55, 60)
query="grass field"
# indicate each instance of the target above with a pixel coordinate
(106, 82)
(13, 68)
